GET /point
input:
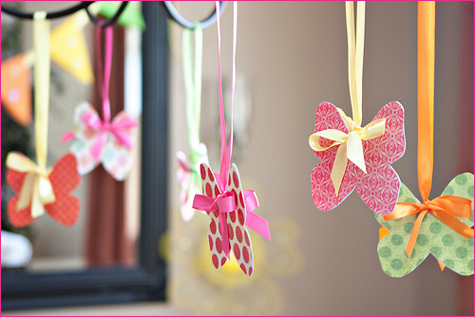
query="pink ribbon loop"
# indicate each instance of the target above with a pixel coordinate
(222, 204)
(254, 221)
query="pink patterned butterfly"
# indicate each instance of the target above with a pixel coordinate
(96, 142)
(379, 187)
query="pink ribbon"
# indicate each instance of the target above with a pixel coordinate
(226, 152)
(118, 128)
(254, 221)
(224, 203)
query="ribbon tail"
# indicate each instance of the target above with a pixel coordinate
(355, 150)
(98, 146)
(414, 233)
(37, 208)
(441, 265)
(68, 136)
(258, 224)
(339, 167)
(250, 199)
(123, 138)
(224, 234)
(26, 191)
(454, 224)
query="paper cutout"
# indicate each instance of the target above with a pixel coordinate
(69, 49)
(189, 179)
(435, 237)
(131, 16)
(16, 87)
(93, 144)
(64, 179)
(379, 187)
(227, 231)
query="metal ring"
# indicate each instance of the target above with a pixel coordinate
(112, 20)
(49, 15)
(175, 15)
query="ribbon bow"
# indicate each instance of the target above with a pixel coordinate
(222, 204)
(446, 208)
(118, 128)
(36, 188)
(226, 203)
(351, 145)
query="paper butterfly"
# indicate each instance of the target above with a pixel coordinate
(98, 142)
(189, 179)
(64, 178)
(379, 187)
(434, 237)
(239, 240)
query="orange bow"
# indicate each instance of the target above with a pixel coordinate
(446, 208)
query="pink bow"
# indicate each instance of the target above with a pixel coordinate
(224, 203)
(117, 128)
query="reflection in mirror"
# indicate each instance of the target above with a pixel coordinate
(106, 233)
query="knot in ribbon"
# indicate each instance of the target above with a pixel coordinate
(224, 203)
(36, 188)
(446, 208)
(118, 128)
(351, 145)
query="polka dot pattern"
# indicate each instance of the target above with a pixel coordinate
(436, 238)
(379, 187)
(240, 243)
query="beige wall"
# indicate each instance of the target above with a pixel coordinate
(294, 57)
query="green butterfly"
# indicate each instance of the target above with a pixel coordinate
(435, 237)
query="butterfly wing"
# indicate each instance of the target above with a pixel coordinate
(328, 117)
(85, 137)
(379, 188)
(238, 235)
(392, 248)
(389, 147)
(18, 218)
(64, 178)
(117, 158)
(449, 247)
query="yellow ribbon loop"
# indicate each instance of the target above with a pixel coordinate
(36, 189)
(351, 145)
(445, 208)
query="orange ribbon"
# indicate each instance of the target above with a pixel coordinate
(446, 208)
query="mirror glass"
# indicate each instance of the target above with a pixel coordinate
(107, 230)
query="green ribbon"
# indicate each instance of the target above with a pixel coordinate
(192, 73)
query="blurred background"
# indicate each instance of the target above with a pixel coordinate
(291, 56)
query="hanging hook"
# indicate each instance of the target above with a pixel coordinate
(49, 15)
(175, 15)
(112, 20)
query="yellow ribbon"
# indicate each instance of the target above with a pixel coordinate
(351, 144)
(36, 188)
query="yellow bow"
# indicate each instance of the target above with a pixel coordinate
(36, 188)
(351, 145)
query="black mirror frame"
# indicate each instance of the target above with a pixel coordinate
(146, 282)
